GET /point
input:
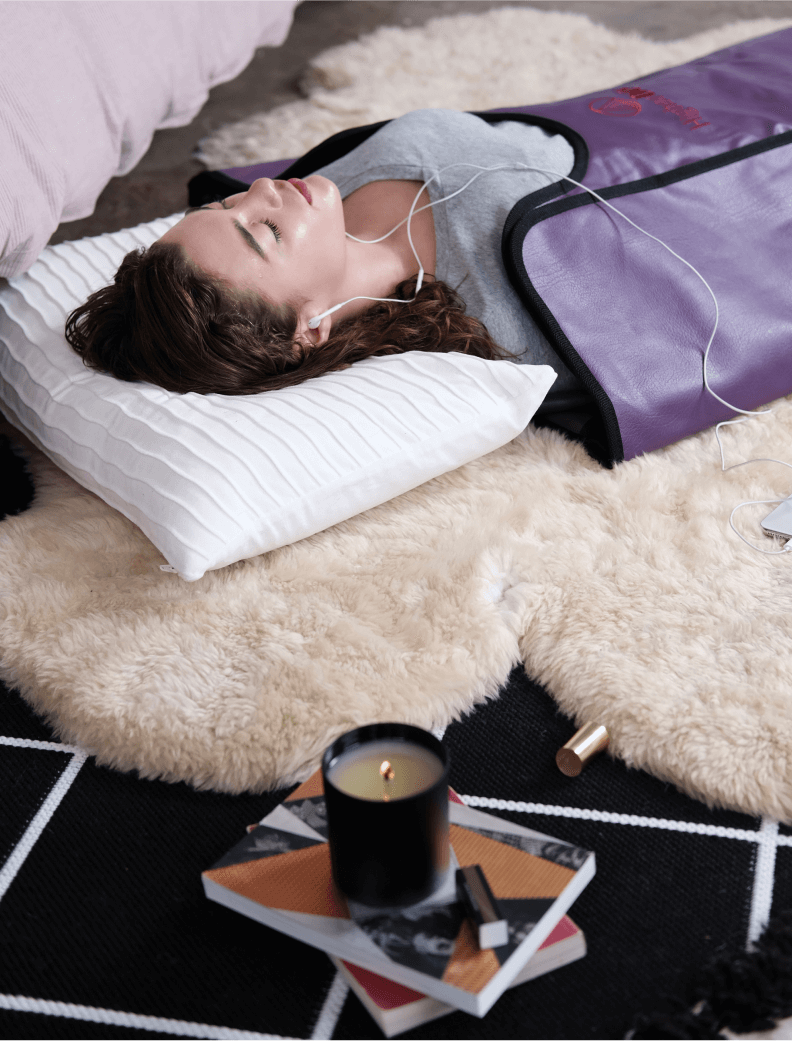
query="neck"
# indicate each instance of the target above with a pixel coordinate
(373, 270)
(376, 268)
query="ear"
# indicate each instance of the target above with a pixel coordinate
(312, 337)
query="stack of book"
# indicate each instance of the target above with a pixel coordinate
(410, 965)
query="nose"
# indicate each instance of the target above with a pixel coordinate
(264, 190)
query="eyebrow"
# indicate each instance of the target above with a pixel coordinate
(249, 239)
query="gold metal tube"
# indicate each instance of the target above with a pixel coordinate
(587, 742)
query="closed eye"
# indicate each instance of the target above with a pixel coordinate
(249, 239)
(210, 205)
(274, 228)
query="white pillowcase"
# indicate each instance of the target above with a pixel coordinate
(212, 479)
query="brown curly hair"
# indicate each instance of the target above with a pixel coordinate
(164, 321)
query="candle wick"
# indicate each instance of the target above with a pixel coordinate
(387, 771)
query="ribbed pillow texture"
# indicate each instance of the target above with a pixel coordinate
(212, 479)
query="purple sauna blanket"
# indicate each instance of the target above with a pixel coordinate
(698, 155)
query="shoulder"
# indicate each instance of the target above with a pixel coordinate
(401, 148)
(426, 134)
(435, 121)
(463, 131)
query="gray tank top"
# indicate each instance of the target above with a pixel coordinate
(468, 227)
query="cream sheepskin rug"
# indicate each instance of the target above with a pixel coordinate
(623, 591)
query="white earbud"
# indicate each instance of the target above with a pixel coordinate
(314, 322)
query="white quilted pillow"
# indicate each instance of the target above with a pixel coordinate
(213, 479)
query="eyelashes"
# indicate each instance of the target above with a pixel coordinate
(270, 223)
(274, 228)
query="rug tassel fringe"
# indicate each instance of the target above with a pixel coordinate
(749, 991)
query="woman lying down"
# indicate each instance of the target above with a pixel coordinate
(273, 286)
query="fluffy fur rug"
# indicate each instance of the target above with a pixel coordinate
(623, 591)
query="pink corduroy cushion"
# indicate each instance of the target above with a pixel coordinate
(83, 87)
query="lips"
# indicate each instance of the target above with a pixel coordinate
(302, 188)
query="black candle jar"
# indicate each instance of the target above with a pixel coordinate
(387, 851)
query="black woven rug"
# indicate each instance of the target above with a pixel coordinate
(105, 933)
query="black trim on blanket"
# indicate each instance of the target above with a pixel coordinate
(526, 216)
(212, 185)
(527, 212)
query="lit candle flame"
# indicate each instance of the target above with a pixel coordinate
(387, 771)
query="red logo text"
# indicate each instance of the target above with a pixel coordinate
(631, 106)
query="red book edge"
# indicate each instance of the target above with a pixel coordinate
(388, 995)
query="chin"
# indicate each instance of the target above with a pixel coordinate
(323, 188)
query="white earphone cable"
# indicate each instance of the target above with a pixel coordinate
(555, 174)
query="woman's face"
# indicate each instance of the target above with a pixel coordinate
(284, 240)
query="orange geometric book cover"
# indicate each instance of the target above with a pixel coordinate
(280, 874)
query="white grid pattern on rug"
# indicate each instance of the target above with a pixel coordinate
(766, 836)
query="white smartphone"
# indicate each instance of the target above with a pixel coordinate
(779, 522)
